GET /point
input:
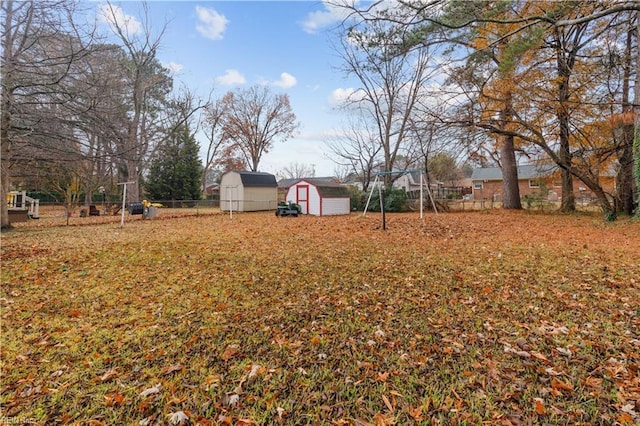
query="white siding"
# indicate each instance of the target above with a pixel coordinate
(231, 189)
(291, 194)
(330, 206)
(314, 201)
(335, 206)
(312, 204)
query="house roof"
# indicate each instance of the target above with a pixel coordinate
(325, 187)
(288, 183)
(258, 179)
(531, 171)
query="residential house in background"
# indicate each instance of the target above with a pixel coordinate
(211, 184)
(538, 181)
(457, 188)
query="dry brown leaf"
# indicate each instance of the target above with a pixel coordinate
(416, 413)
(171, 369)
(114, 399)
(625, 419)
(383, 420)
(109, 374)
(245, 422)
(540, 357)
(560, 385)
(539, 406)
(229, 352)
(150, 391)
(387, 403)
(382, 377)
(593, 383)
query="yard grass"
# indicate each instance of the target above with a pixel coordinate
(462, 318)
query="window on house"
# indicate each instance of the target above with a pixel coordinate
(477, 185)
(534, 183)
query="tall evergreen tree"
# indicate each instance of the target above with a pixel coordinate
(176, 171)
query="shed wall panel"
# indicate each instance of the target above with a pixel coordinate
(335, 206)
(314, 201)
(258, 199)
(291, 194)
(231, 188)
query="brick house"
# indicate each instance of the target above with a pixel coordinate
(540, 181)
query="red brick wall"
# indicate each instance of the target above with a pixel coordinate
(493, 189)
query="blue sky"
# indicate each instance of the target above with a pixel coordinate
(223, 45)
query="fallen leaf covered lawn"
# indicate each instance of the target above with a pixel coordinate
(501, 318)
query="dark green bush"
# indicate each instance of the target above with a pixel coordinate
(358, 198)
(395, 200)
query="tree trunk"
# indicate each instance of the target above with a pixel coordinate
(624, 178)
(133, 190)
(510, 188)
(636, 108)
(132, 144)
(4, 161)
(568, 196)
(509, 164)
(4, 184)
(5, 114)
(565, 67)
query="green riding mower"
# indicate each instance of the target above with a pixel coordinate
(288, 209)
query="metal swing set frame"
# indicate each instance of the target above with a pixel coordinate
(377, 183)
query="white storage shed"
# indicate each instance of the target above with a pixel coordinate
(243, 191)
(320, 197)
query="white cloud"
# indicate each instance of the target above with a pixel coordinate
(115, 16)
(211, 24)
(340, 96)
(334, 13)
(231, 78)
(174, 67)
(306, 151)
(286, 81)
(321, 19)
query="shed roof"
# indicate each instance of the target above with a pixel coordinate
(258, 179)
(288, 183)
(532, 171)
(325, 187)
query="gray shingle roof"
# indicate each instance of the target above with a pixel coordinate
(524, 172)
(286, 183)
(326, 187)
(258, 179)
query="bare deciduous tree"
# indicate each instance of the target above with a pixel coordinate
(253, 119)
(145, 78)
(40, 44)
(391, 83)
(357, 149)
(297, 170)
